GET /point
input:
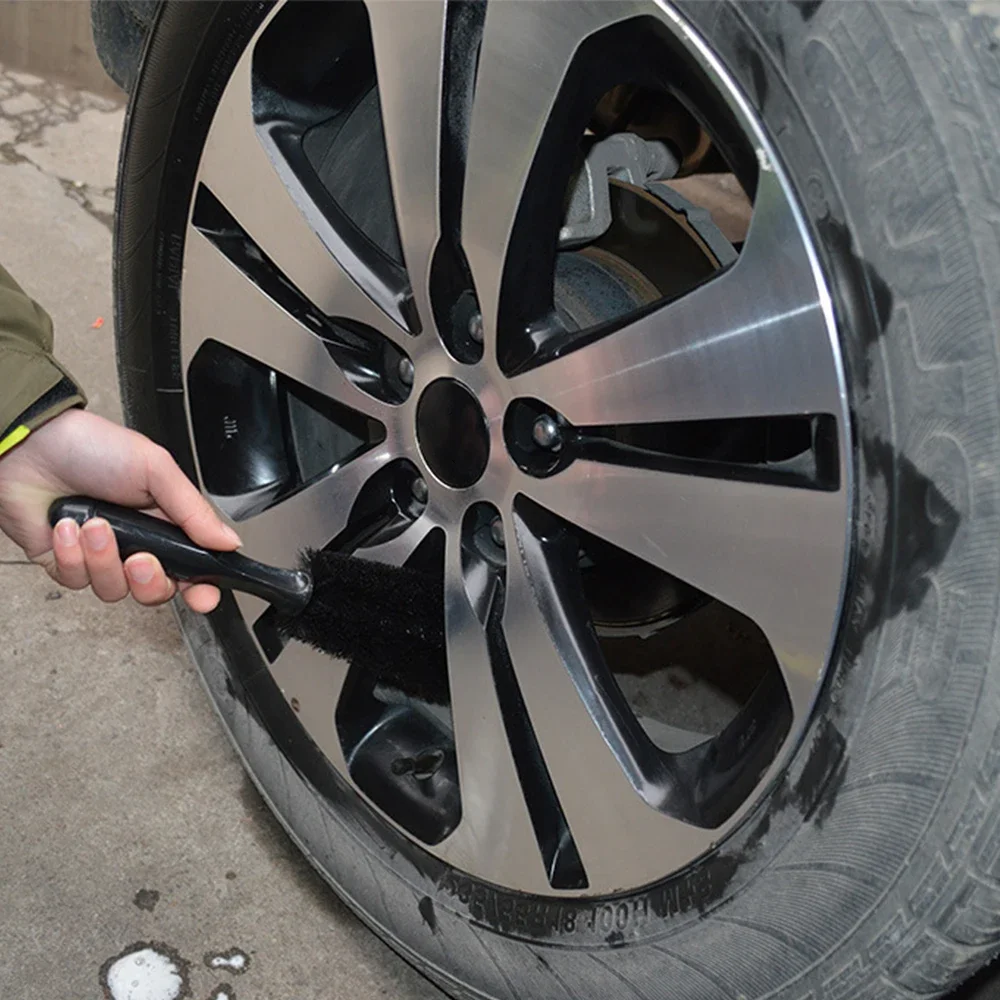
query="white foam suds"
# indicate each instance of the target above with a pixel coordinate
(145, 974)
(235, 961)
(222, 995)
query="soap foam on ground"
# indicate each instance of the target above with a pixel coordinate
(235, 961)
(144, 974)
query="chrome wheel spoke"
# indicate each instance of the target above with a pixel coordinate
(397, 550)
(585, 743)
(527, 48)
(252, 323)
(496, 828)
(408, 40)
(744, 543)
(726, 349)
(311, 683)
(312, 517)
(266, 198)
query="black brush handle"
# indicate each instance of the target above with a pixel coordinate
(288, 590)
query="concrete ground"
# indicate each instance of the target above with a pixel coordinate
(124, 816)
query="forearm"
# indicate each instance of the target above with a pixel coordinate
(34, 387)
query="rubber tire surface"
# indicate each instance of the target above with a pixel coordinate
(872, 869)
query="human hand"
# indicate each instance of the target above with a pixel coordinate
(81, 453)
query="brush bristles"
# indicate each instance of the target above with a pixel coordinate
(386, 621)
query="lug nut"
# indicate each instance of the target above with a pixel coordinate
(546, 433)
(427, 764)
(476, 327)
(405, 370)
(419, 489)
(496, 531)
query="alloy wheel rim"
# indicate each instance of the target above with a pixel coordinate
(758, 340)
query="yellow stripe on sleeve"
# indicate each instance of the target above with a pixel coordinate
(16, 436)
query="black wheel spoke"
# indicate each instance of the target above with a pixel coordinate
(527, 49)
(496, 818)
(408, 42)
(741, 542)
(267, 198)
(586, 735)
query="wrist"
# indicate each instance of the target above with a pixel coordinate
(64, 395)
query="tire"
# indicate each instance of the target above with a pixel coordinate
(871, 866)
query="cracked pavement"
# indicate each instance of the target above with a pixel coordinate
(68, 134)
(127, 819)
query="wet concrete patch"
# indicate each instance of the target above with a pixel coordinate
(146, 899)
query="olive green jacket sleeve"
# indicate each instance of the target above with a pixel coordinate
(33, 385)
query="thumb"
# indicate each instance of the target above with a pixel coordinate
(178, 498)
(47, 560)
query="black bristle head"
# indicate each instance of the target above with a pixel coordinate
(386, 621)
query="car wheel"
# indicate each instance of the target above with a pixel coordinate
(661, 339)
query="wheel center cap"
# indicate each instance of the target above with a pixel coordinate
(451, 429)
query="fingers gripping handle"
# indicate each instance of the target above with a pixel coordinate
(288, 590)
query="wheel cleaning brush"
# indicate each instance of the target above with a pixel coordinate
(386, 621)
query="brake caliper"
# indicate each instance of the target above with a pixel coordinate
(626, 157)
